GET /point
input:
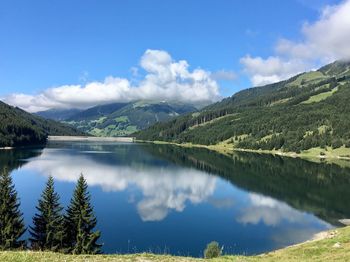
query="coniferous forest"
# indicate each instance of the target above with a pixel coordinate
(19, 128)
(52, 229)
(309, 110)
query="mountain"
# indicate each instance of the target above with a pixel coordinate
(58, 114)
(121, 119)
(96, 112)
(310, 110)
(19, 128)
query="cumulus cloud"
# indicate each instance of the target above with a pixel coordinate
(323, 41)
(273, 69)
(327, 39)
(165, 79)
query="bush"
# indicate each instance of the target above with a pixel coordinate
(336, 143)
(347, 144)
(213, 250)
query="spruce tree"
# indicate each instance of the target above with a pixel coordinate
(48, 229)
(80, 221)
(11, 219)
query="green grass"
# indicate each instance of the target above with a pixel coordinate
(329, 152)
(131, 129)
(27, 256)
(334, 246)
(113, 131)
(339, 156)
(281, 101)
(306, 78)
(322, 87)
(101, 120)
(266, 138)
(122, 119)
(320, 97)
(96, 132)
(346, 72)
(322, 129)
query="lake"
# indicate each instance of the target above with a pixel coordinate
(167, 199)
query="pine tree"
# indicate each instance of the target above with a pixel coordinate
(11, 219)
(80, 221)
(48, 230)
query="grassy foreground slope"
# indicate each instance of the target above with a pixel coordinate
(310, 110)
(335, 246)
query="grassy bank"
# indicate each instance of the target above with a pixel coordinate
(329, 246)
(340, 156)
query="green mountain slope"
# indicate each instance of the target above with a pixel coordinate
(121, 119)
(58, 114)
(19, 128)
(307, 111)
(96, 112)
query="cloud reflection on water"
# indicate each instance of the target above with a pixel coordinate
(163, 189)
(269, 211)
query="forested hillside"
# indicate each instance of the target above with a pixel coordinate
(19, 128)
(309, 110)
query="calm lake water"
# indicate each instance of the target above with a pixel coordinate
(175, 200)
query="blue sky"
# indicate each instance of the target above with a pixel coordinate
(47, 44)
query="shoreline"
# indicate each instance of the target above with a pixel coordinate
(90, 139)
(222, 148)
(226, 150)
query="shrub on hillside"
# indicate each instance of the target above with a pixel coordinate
(213, 250)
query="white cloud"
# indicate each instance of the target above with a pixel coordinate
(326, 39)
(270, 70)
(269, 211)
(323, 41)
(31, 103)
(165, 79)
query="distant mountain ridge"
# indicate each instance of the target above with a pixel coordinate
(96, 111)
(122, 119)
(58, 114)
(310, 110)
(20, 128)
